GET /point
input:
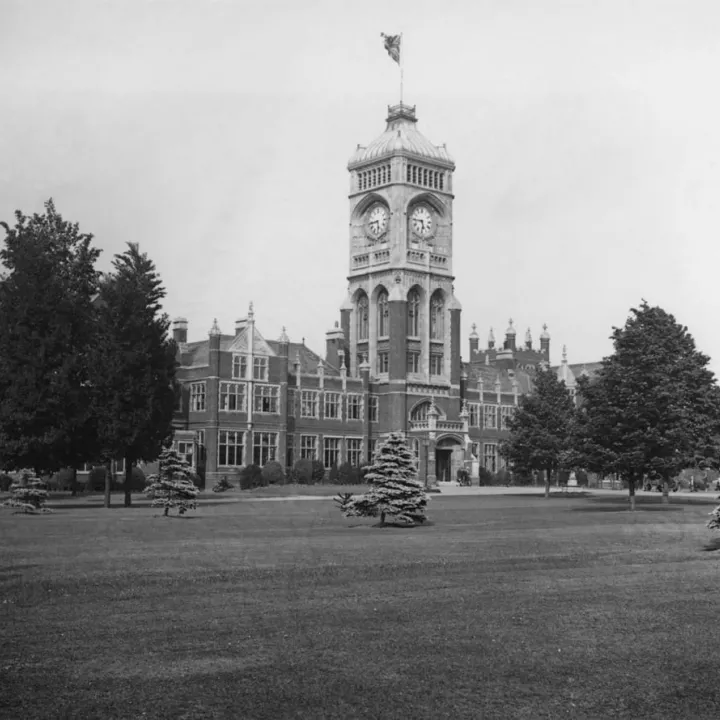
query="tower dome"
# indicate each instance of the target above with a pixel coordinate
(401, 137)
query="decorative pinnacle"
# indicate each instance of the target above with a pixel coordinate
(284, 336)
(511, 329)
(215, 329)
(564, 357)
(251, 313)
(491, 336)
(474, 334)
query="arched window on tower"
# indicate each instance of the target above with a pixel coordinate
(363, 317)
(437, 317)
(413, 309)
(382, 307)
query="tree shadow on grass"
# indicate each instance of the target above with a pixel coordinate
(393, 526)
(711, 546)
(625, 507)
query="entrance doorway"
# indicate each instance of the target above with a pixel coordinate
(449, 457)
(443, 464)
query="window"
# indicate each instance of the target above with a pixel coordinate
(383, 362)
(331, 452)
(266, 398)
(506, 412)
(415, 448)
(309, 404)
(185, 449)
(413, 362)
(436, 364)
(413, 310)
(354, 451)
(373, 408)
(382, 309)
(475, 450)
(239, 367)
(197, 397)
(332, 406)
(230, 447)
(354, 407)
(490, 456)
(437, 317)
(232, 397)
(260, 368)
(264, 447)
(291, 403)
(289, 451)
(308, 447)
(474, 419)
(420, 412)
(363, 316)
(490, 417)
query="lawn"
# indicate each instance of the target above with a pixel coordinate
(502, 607)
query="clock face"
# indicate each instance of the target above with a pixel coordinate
(421, 221)
(377, 221)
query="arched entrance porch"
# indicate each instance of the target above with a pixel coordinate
(449, 458)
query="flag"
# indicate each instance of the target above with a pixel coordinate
(392, 45)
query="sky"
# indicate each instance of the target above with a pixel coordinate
(216, 134)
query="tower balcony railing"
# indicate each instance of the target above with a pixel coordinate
(440, 425)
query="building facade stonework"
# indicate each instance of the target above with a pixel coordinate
(392, 362)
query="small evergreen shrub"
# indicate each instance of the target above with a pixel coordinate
(318, 472)
(273, 473)
(303, 471)
(395, 490)
(172, 487)
(486, 477)
(251, 477)
(223, 485)
(29, 493)
(349, 475)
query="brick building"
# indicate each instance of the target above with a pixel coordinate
(392, 362)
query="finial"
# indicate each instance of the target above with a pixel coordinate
(474, 334)
(545, 334)
(251, 312)
(564, 356)
(511, 329)
(284, 336)
(528, 336)
(215, 329)
(491, 336)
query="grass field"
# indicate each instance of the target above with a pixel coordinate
(502, 607)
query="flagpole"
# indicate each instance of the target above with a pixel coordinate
(402, 63)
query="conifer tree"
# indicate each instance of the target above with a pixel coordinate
(134, 364)
(173, 487)
(395, 490)
(29, 493)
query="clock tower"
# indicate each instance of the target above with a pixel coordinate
(401, 315)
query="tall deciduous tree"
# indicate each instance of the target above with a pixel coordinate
(134, 364)
(47, 326)
(540, 429)
(654, 406)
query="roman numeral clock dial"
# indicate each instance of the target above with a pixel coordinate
(421, 222)
(377, 222)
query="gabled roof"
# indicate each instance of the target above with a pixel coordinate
(309, 360)
(490, 374)
(241, 342)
